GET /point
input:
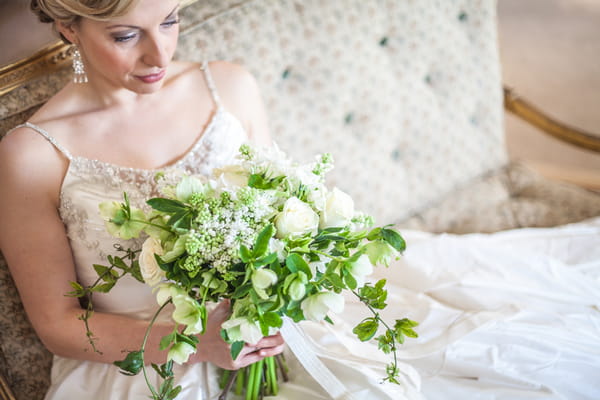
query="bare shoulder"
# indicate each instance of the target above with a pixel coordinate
(240, 93)
(30, 164)
(233, 79)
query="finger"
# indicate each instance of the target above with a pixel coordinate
(270, 341)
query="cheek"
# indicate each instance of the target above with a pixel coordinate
(111, 59)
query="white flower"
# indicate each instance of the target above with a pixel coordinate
(151, 272)
(317, 195)
(316, 307)
(277, 246)
(167, 291)
(188, 312)
(231, 176)
(296, 219)
(262, 279)
(187, 186)
(360, 269)
(380, 252)
(242, 329)
(297, 288)
(338, 210)
(180, 352)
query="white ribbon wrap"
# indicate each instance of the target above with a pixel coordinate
(303, 350)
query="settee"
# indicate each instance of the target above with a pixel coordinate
(406, 95)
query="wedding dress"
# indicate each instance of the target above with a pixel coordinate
(355, 374)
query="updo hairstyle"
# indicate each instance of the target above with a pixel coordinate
(69, 12)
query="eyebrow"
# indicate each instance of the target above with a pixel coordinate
(137, 27)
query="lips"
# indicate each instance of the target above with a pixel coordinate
(151, 78)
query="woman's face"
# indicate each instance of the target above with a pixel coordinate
(132, 51)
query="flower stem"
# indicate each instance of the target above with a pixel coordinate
(230, 379)
(143, 348)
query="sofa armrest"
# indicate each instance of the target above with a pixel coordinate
(525, 110)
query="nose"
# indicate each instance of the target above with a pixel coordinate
(156, 51)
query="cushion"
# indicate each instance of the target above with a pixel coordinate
(509, 198)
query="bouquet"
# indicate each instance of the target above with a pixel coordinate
(265, 233)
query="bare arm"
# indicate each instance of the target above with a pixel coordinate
(34, 242)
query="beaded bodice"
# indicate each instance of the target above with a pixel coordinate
(89, 182)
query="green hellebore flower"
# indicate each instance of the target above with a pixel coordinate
(188, 186)
(262, 279)
(380, 252)
(180, 352)
(360, 269)
(117, 223)
(167, 291)
(316, 307)
(188, 312)
(242, 329)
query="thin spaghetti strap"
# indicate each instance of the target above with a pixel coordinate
(47, 136)
(211, 84)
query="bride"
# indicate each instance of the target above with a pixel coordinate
(130, 112)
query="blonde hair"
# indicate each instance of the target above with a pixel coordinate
(70, 11)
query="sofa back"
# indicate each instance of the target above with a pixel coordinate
(406, 95)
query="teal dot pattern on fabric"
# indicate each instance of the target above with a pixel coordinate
(405, 94)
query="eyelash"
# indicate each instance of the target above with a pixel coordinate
(122, 39)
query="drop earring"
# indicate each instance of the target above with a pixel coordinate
(79, 75)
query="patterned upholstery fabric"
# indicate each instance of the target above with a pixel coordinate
(406, 95)
(511, 197)
(409, 112)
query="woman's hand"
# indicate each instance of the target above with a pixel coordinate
(214, 349)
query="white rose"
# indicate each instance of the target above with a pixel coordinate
(151, 272)
(297, 218)
(180, 352)
(338, 210)
(316, 307)
(360, 269)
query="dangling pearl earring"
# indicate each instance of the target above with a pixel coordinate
(79, 75)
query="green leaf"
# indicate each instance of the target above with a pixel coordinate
(404, 327)
(366, 329)
(166, 341)
(374, 234)
(265, 260)
(241, 291)
(335, 279)
(296, 263)
(349, 280)
(104, 288)
(273, 319)
(236, 348)
(394, 239)
(192, 340)
(78, 292)
(262, 241)
(245, 254)
(167, 205)
(132, 364)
